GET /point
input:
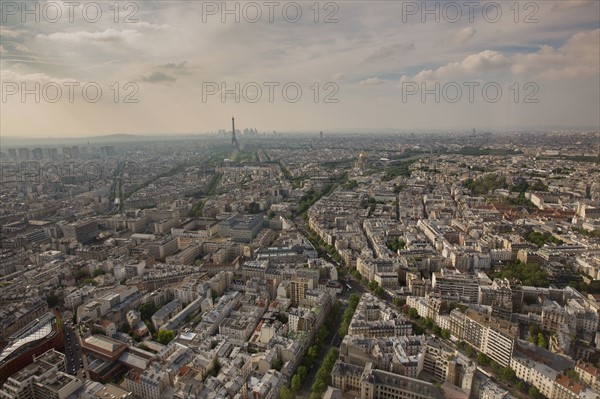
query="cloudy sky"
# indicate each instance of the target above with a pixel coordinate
(372, 65)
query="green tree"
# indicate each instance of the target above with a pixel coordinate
(534, 393)
(483, 359)
(418, 329)
(98, 272)
(82, 274)
(323, 374)
(399, 302)
(286, 393)
(572, 374)
(296, 383)
(541, 341)
(469, 351)
(428, 323)
(532, 275)
(312, 353)
(302, 372)
(486, 184)
(323, 333)
(319, 386)
(540, 239)
(277, 364)
(125, 328)
(396, 244)
(52, 301)
(413, 313)
(508, 374)
(143, 347)
(165, 336)
(373, 285)
(147, 310)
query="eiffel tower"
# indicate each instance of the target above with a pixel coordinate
(234, 143)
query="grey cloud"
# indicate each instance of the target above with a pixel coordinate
(391, 51)
(172, 65)
(159, 77)
(181, 68)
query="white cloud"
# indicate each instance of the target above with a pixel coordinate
(374, 81)
(464, 35)
(158, 27)
(5, 32)
(8, 75)
(578, 57)
(471, 66)
(109, 35)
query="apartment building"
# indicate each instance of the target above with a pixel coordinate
(369, 383)
(149, 384)
(456, 286)
(82, 231)
(492, 336)
(44, 378)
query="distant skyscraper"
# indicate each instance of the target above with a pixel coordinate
(24, 154)
(37, 153)
(107, 151)
(234, 143)
(321, 134)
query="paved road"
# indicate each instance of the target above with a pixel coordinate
(72, 352)
(332, 340)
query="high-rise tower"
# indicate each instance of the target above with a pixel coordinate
(234, 142)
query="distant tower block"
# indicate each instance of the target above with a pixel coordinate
(321, 134)
(234, 142)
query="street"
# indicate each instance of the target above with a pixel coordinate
(72, 352)
(333, 340)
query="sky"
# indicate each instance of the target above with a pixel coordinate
(169, 67)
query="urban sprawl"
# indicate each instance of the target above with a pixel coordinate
(262, 265)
